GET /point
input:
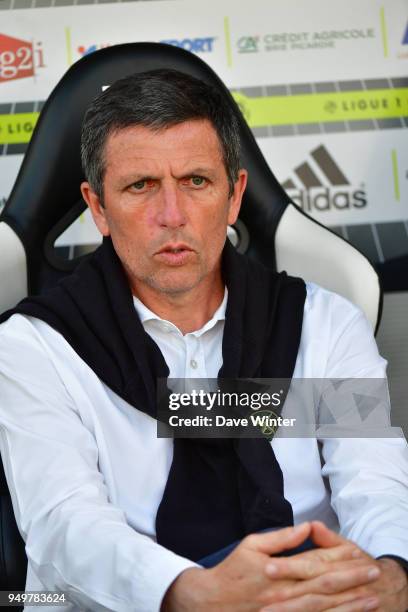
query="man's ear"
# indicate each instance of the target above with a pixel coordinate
(236, 198)
(96, 208)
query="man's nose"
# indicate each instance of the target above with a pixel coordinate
(171, 211)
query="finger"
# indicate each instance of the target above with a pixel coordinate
(320, 603)
(312, 563)
(324, 537)
(359, 605)
(307, 603)
(329, 584)
(274, 542)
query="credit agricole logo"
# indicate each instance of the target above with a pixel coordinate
(19, 59)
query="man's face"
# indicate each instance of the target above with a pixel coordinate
(166, 205)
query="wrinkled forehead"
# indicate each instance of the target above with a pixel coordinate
(195, 139)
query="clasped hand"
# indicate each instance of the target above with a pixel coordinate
(335, 577)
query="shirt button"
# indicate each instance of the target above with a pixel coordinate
(193, 363)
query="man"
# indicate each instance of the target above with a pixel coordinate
(107, 509)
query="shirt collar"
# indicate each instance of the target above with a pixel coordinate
(146, 315)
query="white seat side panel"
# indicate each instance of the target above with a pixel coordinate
(13, 268)
(304, 248)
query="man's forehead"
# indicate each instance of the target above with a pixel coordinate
(182, 140)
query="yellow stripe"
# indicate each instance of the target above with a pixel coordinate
(273, 110)
(324, 107)
(384, 31)
(17, 129)
(228, 42)
(68, 46)
(395, 174)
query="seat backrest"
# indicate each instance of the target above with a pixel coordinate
(46, 199)
(307, 249)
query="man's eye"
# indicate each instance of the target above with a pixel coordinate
(143, 184)
(198, 181)
(139, 185)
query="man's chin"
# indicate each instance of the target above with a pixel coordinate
(174, 289)
(174, 284)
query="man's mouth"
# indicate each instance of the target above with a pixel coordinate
(175, 247)
(175, 254)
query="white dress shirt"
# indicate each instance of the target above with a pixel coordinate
(87, 472)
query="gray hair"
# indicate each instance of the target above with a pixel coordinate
(156, 99)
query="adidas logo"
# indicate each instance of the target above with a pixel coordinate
(319, 185)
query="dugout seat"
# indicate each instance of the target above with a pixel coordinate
(46, 199)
